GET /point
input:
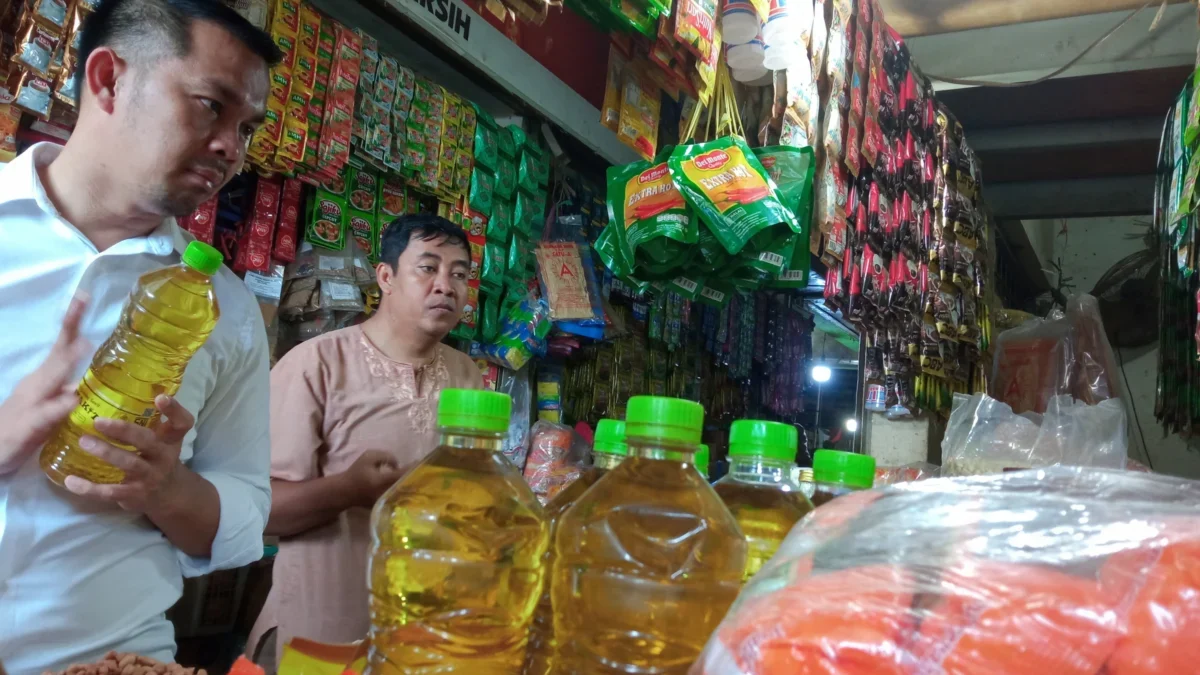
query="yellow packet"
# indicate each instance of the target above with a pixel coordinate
(640, 108)
(610, 112)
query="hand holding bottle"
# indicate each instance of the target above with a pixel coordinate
(44, 397)
(151, 471)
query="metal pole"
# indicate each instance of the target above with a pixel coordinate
(817, 424)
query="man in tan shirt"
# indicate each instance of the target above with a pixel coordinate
(351, 411)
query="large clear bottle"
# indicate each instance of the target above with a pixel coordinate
(648, 560)
(759, 490)
(456, 561)
(608, 449)
(168, 317)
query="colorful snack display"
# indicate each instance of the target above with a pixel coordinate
(327, 221)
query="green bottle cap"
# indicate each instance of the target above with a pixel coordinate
(666, 419)
(610, 438)
(844, 468)
(702, 460)
(759, 438)
(474, 410)
(203, 258)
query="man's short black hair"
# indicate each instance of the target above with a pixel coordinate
(425, 227)
(140, 27)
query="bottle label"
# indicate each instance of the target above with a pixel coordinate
(93, 404)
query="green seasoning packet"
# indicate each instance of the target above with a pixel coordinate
(527, 216)
(487, 150)
(541, 163)
(729, 188)
(500, 223)
(686, 287)
(480, 196)
(504, 141)
(362, 227)
(327, 221)
(644, 204)
(515, 266)
(364, 189)
(610, 252)
(796, 274)
(491, 278)
(714, 294)
(506, 178)
(527, 179)
(490, 317)
(791, 170)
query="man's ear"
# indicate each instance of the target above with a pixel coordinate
(383, 277)
(102, 72)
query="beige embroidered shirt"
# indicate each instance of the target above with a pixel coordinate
(332, 398)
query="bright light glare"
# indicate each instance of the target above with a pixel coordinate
(852, 425)
(821, 373)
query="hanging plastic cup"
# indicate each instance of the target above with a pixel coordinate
(748, 55)
(783, 56)
(782, 26)
(739, 22)
(749, 75)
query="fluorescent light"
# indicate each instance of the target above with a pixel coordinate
(821, 373)
(852, 425)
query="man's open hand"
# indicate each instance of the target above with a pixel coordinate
(151, 473)
(45, 397)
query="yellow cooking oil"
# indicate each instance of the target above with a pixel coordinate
(169, 315)
(608, 449)
(759, 490)
(649, 559)
(456, 560)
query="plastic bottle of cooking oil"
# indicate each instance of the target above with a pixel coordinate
(648, 560)
(456, 561)
(167, 319)
(608, 449)
(759, 489)
(702, 459)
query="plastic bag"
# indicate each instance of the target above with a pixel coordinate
(891, 475)
(523, 333)
(1068, 571)
(1063, 355)
(985, 436)
(518, 386)
(557, 456)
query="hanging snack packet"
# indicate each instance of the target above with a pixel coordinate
(393, 197)
(327, 221)
(641, 107)
(487, 149)
(481, 193)
(506, 176)
(491, 277)
(33, 93)
(610, 111)
(727, 185)
(501, 222)
(645, 205)
(50, 13)
(695, 26)
(35, 49)
(527, 172)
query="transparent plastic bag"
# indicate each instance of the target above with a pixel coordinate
(1065, 355)
(1063, 571)
(984, 435)
(518, 386)
(890, 475)
(557, 456)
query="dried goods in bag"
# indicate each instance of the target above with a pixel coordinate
(729, 189)
(646, 205)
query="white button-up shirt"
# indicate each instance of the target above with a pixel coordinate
(79, 577)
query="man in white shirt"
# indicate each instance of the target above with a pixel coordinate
(171, 92)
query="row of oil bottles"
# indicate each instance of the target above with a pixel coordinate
(627, 570)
